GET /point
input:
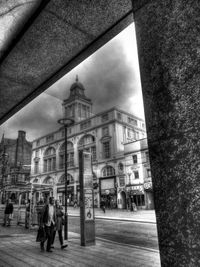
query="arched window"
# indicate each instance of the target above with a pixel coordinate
(48, 180)
(108, 171)
(87, 142)
(35, 180)
(70, 155)
(70, 179)
(49, 159)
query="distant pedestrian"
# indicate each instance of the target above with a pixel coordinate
(8, 213)
(27, 214)
(59, 225)
(48, 220)
(102, 205)
(75, 203)
(134, 207)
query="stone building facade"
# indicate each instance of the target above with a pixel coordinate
(15, 160)
(103, 134)
(139, 189)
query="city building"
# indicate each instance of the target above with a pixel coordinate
(15, 166)
(139, 189)
(103, 135)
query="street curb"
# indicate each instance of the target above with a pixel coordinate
(117, 219)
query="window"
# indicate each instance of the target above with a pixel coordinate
(148, 172)
(37, 142)
(135, 159)
(70, 155)
(36, 167)
(143, 125)
(49, 160)
(147, 156)
(85, 125)
(136, 174)
(70, 159)
(132, 121)
(108, 171)
(119, 116)
(104, 117)
(49, 138)
(79, 110)
(106, 149)
(105, 131)
(130, 133)
(37, 153)
(94, 153)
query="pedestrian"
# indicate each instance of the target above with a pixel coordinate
(8, 213)
(102, 205)
(48, 219)
(59, 225)
(75, 203)
(27, 214)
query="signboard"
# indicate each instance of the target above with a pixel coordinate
(87, 222)
(148, 185)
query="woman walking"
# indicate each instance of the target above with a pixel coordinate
(58, 226)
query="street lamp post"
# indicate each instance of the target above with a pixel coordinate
(66, 122)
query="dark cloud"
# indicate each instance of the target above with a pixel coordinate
(110, 78)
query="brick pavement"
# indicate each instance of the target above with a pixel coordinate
(19, 249)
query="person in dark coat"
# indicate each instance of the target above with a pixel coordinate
(59, 225)
(27, 214)
(8, 213)
(103, 205)
(48, 220)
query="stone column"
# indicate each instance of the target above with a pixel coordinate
(168, 36)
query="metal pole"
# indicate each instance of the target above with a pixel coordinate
(66, 215)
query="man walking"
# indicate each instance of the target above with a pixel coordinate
(48, 220)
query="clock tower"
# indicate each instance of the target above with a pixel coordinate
(77, 106)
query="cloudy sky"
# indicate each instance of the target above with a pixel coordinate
(110, 77)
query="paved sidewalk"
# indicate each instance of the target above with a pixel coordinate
(19, 249)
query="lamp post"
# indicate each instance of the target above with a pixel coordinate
(66, 122)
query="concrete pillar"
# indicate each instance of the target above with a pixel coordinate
(169, 55)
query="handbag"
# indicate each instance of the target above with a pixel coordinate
(41, 234)
(10, 216)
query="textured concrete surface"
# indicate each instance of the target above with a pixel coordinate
(20, 249)
(169, 61)
(63, 35)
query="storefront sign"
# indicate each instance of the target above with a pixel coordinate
(148, 185)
